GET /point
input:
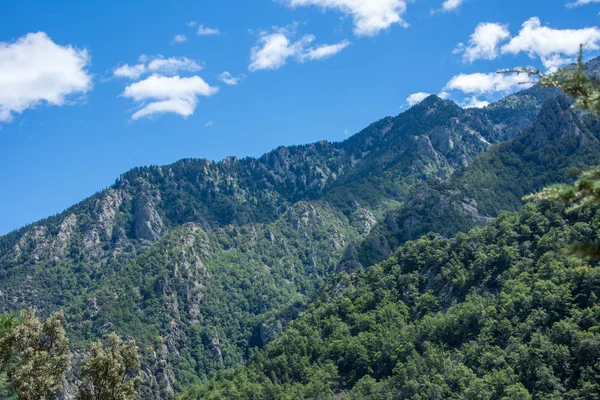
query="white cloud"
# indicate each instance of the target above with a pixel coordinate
(484, 42)
(206, 31)
(182, 107)
(159, 64)
(487, 84)
(191, 23)
(34, 69)
(370, 17)
(129, 71)
(228, 79)
(166, 87)
(273, 50)
(554, 47)
(208, 124)
(550, 45)
(172, 65)
(168, 95)
(451, 5)
(180, 39)
(474, 102)
(579, 3)
(416, 98)
(324, 51)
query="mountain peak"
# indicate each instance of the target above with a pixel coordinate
(433, 100)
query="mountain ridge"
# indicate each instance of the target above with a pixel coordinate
(203, 261)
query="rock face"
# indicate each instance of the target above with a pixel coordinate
(556, 123)
(148, 224)
(216, 349)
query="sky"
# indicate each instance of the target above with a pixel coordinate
(89, 90)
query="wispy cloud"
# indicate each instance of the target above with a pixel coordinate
(324, 51)
(180, 39)
(157, 64)
(273, 50)
(35, 70)
(129, 71)
(227, 78)
(579, 3)
(172, 65)
(206, 31)
(370, 17)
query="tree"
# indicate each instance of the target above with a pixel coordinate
(111, 372)
(585, 192)
(34, 356)
(7, 322)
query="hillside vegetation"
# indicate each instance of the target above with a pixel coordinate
(497, 313)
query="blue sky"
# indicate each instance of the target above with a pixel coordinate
(89, 90)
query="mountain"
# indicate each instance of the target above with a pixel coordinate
(203, 262)
(558, 142)
(498, 313)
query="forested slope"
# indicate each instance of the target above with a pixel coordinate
(497, 313)
(560, 141)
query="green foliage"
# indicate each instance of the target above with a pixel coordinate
(8, 322)
(497, 313)
(584, 193)
(35, 356)
(111, 371)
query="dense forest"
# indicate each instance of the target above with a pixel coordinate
(500, 312)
